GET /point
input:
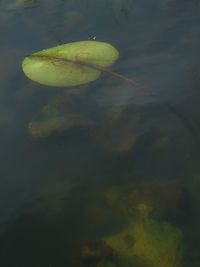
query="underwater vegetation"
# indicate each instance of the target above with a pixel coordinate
(51, 121)
(60, 114)
(144, 242)
(155, 243)
(70, 110)
(146, 238)
(118, 129)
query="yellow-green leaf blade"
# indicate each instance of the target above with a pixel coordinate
(60, 65)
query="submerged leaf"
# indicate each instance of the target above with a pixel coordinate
(51, 121)
(69, 64)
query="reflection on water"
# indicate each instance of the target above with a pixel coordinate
(101, 175)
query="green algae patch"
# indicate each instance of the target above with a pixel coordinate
(144, 242)
(145, 239)
(152, 243)
(69, 64)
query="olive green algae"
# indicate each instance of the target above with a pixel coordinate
(146, 239)
(158, 244)
(144, 242)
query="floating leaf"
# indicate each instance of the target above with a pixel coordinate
(70, 64)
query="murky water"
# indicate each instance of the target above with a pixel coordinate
(119, 184)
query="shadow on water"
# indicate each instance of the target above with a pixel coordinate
(122, 158)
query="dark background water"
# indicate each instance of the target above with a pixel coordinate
(47, 185)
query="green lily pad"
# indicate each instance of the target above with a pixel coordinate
(69, 64)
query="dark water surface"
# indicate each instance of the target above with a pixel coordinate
(119, 186)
